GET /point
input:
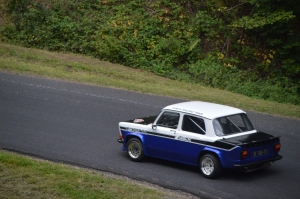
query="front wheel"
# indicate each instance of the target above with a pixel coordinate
(210, 166)
(135, 149)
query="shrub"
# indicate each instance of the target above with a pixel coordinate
(216, 43)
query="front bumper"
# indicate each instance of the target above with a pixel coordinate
(120, 140)
(257, 165)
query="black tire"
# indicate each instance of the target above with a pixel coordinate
(210, 166)
(135, 150)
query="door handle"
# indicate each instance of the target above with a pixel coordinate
(173, 131)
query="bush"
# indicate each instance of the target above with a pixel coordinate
(216, 43)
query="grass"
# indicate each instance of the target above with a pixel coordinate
(89, 70)
(25, 177)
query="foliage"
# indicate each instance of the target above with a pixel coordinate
(234, 44)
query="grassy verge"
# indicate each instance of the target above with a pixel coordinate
(84, 69)
(24, 177)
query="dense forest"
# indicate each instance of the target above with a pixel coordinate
(250, 47)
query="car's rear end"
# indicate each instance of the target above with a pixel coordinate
(255, 151)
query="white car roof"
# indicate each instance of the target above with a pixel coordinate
(204, 109)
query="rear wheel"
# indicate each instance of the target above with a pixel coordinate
(210, 166)
(135, 149)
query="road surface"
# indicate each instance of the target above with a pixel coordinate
(78, 124)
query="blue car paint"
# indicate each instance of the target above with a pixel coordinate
(138, 135)
(160, 147)
(188, 153)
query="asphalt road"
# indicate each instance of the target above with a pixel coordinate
(78, 124)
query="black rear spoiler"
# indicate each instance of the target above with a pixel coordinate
(250, 140)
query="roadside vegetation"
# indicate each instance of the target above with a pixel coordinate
(247, 47)
(84, 69)
(27, 178)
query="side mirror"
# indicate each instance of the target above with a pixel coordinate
(154, 126)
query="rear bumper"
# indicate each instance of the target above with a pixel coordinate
(257, 165)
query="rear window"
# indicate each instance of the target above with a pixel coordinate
(232, 124)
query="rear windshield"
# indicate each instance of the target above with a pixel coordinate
(232, 124)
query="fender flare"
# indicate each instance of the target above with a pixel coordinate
(139, 136)
(210, 150)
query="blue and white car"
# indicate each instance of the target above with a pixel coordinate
(211, 136)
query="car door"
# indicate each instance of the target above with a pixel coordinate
(190, 139)
(161, 139)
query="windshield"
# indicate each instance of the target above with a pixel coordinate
(232, 124)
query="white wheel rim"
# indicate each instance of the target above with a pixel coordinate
(207, 166)
(134, 149)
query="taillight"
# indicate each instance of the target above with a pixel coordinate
(277, 147)
(244, 154)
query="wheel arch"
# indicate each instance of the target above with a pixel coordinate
(137, 136)
(209, 151)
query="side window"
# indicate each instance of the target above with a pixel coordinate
(169, 120)
(193, 124)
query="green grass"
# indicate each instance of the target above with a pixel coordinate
(25, 177)
(89, 70)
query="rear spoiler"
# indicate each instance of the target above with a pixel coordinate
(255, 139)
